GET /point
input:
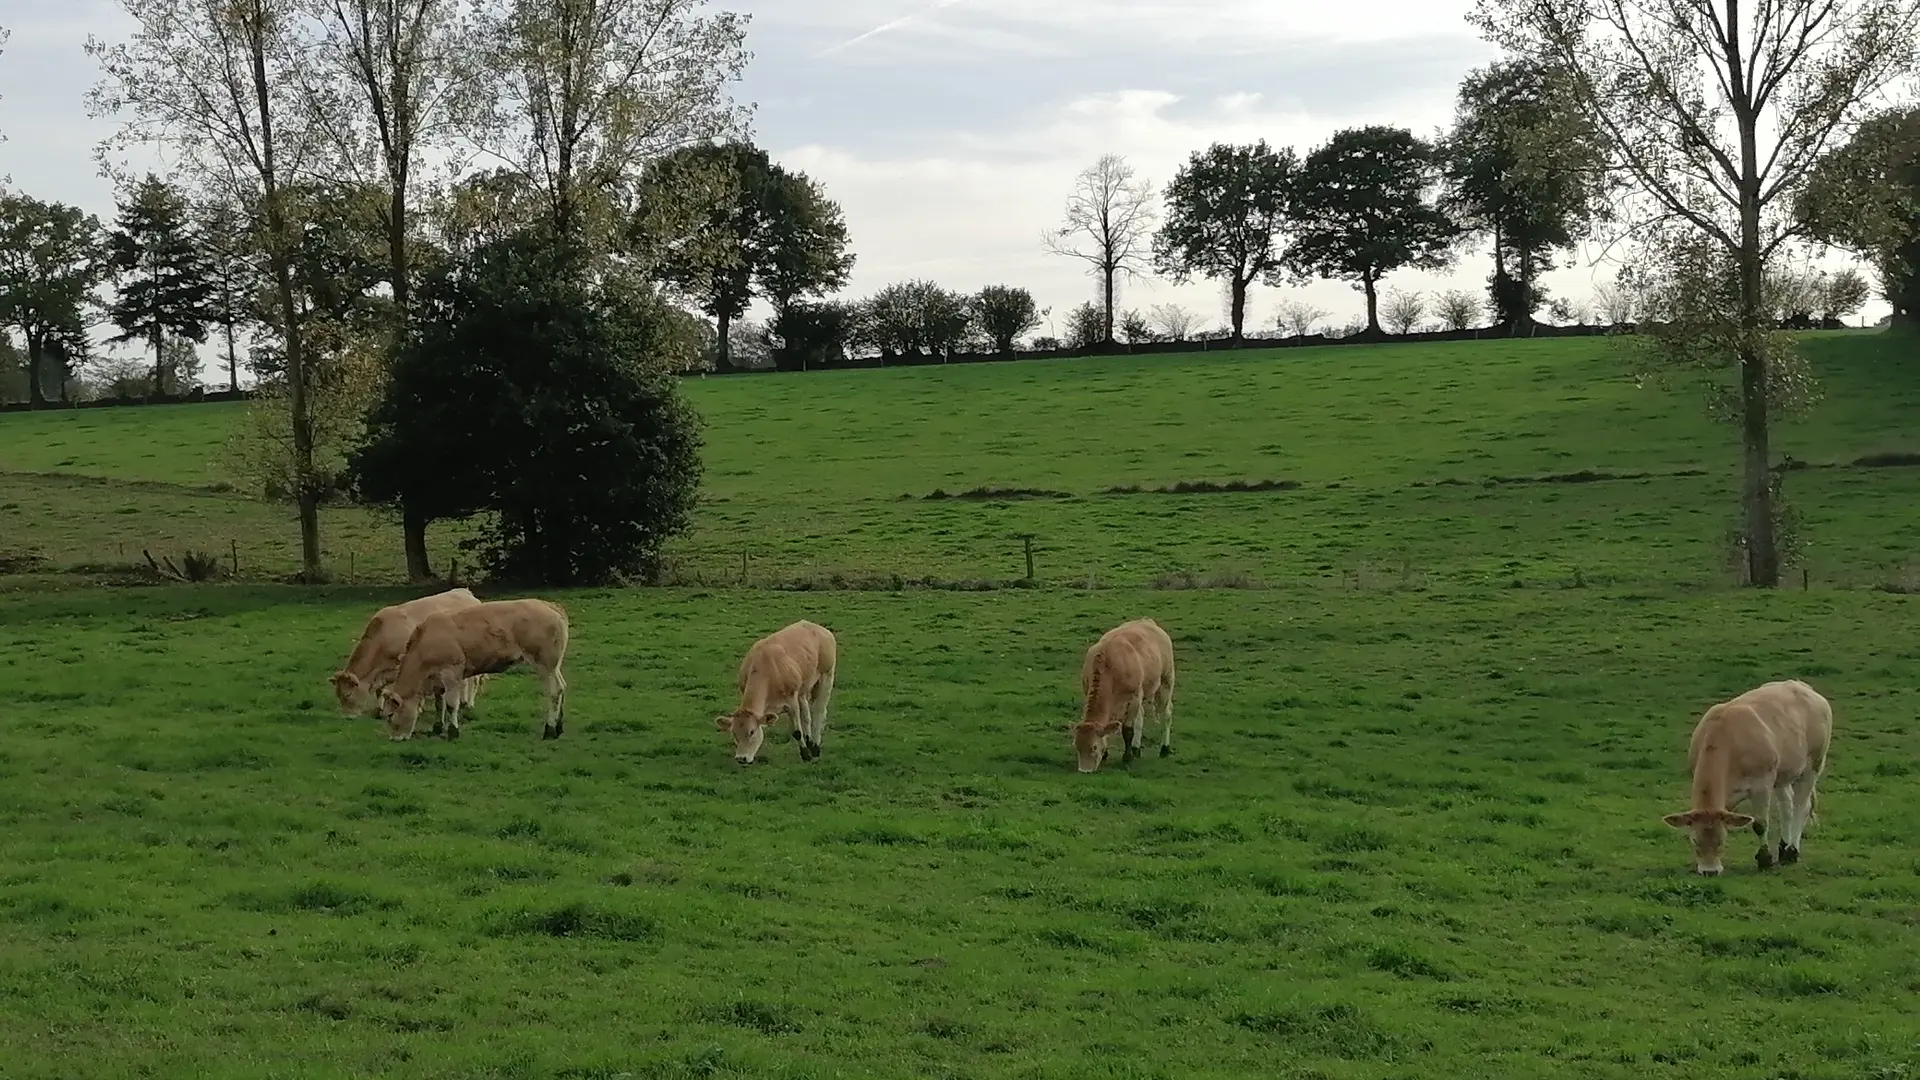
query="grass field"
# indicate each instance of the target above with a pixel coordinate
(1412, 827)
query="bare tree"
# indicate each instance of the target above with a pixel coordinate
(1718, 110)
(388, 76)
(586, 91)
(1402, 311)
(1457, 309)
(1109, 226)
(1172, 321)
(1617, 304)
(1297, 318)
(218, 85)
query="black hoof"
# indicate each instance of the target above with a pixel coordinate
(452, 734)
(796, 737)
(1788, 855)
(1166, 751)
(549, 732)
(1763, 859)
(1759, 828)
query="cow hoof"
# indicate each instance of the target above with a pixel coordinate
(1763, 859)
(1708, 873)
(548, 733)
(1788, 855)
(1166, 751)
(796, 737)
(452, 734)
(1759, 828)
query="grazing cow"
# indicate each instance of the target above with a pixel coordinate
(1130, 665)
(376, 657)
(484, 639)
(1768, 746)
(790, 670)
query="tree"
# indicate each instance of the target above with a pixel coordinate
(233, 279)
(1134, 328)
(584, 92)
(1087, 327)
(538, 391)
(763, 231)
(220, 88)
(1842, 294)
(814, 334)
(915, 318)
(1005, 314)
(1718, 112)
(180, 359)
(1457, 309)
(1172, 322)
(51, 262)
(1363, 208)
(1224, 209)
(1109, 225)
(1297, 318)
(1523, 165)
(1403, 311)
(166, 287)
(1865, 196)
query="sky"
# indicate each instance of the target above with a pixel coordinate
(950, 131)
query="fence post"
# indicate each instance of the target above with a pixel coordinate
(1806, 578)
(1026, 541)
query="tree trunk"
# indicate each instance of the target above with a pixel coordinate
(414, 526)
(159, 363)
(1763, 555)
(279, 242)
(36, 396)
(1106, 323)
(723, 348)
(1238, 310)
(1373, 304)
(233, 363)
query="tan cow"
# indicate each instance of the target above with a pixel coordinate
(1767, 747)
(1129, 666)
(375, 659)
(789, 671)
(485, 639)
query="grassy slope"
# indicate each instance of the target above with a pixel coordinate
(806, 473)
(1406, 831)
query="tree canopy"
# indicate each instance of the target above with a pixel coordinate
(52, 260)
(165, 282)
(1224, 210)
(1364, 207)
(1865, 196)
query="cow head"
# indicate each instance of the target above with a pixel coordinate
(356, 697)
(398, 712)
(748, 729)
(1090, 742)
(1708, 831)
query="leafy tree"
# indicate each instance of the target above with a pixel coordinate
(1087, 327)
(1842, 294)
(220, 87)
(1718, 113)
(1865, 196)
(52, 260)
(915, 318)
(539, 391)
(1005, 313)
(1523, 165)
(1363, 208)
(583, 92)
(765, 232)
(1225, 208)
(1108, 226)
(814, 334)
(166, 286)
(1134, 328)
(233, 279)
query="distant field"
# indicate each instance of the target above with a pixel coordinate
(1412, 826)
(1392, 447)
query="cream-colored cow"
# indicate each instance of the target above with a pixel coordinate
(789, 671)
(375, 659)
(485, 639)
(1766, 747)
(1131, 665)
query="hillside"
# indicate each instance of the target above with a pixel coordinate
(1394, 449)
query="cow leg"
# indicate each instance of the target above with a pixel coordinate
(803, 724)
(1164, 699)
(817, 708)
(555, 685)
(453, 712)
(439, 712)
(1136, 733)
(1798, 814)
(1763, 807)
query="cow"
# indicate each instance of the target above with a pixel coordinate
(485, 639)
(375, 659)
(1129, 666)
(1766, 747)
(789, 671)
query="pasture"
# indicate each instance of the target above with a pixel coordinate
(1412, 824)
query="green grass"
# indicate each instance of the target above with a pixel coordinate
(1412, 826)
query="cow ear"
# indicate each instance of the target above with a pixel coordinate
(721, 723)
(1108, 727)
(1679, 821)
(1735, 821)
(768, 719)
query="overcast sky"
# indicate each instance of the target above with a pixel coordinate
(951, 130)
